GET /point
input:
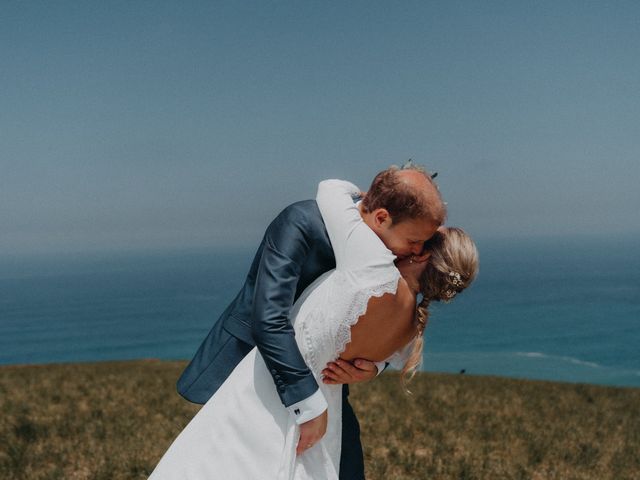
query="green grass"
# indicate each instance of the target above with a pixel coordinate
(114, 420)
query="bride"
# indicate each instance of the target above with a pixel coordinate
(365, 308)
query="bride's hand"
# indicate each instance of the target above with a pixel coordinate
(342, 371)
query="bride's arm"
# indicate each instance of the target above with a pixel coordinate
(340, 214)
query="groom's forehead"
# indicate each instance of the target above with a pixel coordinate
(420, 227)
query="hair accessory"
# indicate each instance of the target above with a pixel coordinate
(456, 280)
(449, 294)
(407, 165)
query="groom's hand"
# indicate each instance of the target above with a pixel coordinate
(311, 432)
(342, 371)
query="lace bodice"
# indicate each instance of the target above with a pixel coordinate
(326, 311)
(330, 306)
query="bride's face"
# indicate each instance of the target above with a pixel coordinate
(412, 268)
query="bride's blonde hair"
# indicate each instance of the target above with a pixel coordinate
(452, 266)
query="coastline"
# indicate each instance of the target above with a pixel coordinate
(536, 311)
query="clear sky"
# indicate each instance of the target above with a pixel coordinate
(126, 125)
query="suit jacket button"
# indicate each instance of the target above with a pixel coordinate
(281, 388)
(273, 371)
(277, 377)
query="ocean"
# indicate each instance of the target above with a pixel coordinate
(565, 309)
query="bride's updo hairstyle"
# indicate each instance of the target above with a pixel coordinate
(451, 267)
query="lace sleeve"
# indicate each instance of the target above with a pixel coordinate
(356, 302)
(324, 326)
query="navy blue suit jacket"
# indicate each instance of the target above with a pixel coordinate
(294, 251)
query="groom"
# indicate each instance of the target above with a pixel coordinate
(404, 208)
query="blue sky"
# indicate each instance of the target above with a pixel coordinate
(129, 125)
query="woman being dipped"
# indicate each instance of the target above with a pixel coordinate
(393, 326)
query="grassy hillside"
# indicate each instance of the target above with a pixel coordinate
(114, 420)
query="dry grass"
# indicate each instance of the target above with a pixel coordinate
(472, 427)
(114, 420)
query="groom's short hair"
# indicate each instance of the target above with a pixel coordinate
(404, 201)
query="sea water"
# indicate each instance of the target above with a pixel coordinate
(555, 309)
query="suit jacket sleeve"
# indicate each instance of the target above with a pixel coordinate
(286, 248)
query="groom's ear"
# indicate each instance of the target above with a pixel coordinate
(382, 218)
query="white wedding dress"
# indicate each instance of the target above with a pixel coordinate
(244, 432)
